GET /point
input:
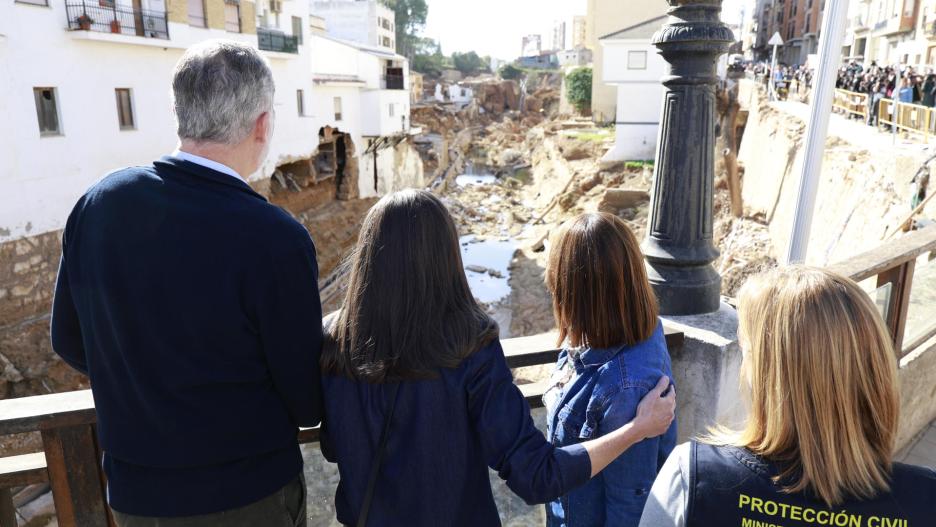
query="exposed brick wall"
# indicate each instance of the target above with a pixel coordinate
(248, 17)
(178, 11)
(214, 13)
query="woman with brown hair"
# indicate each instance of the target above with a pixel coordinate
(419, 401)
(817, 448)
(614, 352)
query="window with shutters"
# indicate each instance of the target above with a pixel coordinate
(297, 29)
(196, 13)
(47, 111)
(337, 103)
(232, 17)
(125, 109)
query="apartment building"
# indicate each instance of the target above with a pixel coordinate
(797, 21)
(567, 34)
(86, 89)
(368, 22)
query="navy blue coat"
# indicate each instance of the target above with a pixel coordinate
(192, 304)
(445, 434)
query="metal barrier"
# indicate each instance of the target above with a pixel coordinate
(914, 119)
(851, 103)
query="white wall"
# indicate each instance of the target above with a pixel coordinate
(354, 21)
(639, 98)
(376, 104)
(42, 177)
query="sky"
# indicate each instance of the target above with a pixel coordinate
(496, 27)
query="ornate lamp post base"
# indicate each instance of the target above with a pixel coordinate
(679, 247)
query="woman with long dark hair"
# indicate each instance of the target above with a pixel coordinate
(419, 398)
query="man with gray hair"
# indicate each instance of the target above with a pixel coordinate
(192, 304)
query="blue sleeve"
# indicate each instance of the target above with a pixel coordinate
(533, 468)
(65, 328)
(628, 479)
(288, 313)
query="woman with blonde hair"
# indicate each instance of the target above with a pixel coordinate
(818, 444)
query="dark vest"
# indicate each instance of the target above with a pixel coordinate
(731, 487)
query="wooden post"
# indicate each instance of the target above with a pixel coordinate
(7, 511)
(901, 280)
(75, 475)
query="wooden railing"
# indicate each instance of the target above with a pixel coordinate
(71, 458)
(893, 265)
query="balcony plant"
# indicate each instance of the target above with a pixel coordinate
(84, 22)
(115, 26)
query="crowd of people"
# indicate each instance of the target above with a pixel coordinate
(192, 304)
(900, 82)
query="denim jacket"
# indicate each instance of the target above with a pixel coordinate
(602, 395)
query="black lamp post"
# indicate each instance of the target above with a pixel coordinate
(679, 247)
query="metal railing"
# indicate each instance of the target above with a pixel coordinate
(71, 457)
(917, 120)
(269, 40)
(851, 103)
(393, 82)
(93, 16)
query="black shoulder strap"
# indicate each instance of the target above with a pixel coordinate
(378, 460)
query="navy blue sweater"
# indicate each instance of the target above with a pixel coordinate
(193, 306)
(445, 434)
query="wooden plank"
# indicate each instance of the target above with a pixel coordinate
(541, 349)
(74, 474)
(901, 280)
(29, 414)
(888, 256)
(533, 392)
(19, 471)
(7, 510)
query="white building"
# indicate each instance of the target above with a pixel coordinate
(632, 64)
(363, 91)
(367, 22)
(86, 91)
(460, 95)
(532, 46)
(574, 57)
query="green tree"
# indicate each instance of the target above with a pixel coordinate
(467, 63)
(579, 88)
(410, 18)
(510, 72)
(428, 58)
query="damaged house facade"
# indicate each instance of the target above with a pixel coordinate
(87, 92)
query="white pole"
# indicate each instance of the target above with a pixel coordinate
(830, 50)
(773, 68)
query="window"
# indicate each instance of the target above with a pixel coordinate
(47, 111)
(125, 109)
(636, 60)
(297, 28)
(300, 103)
(337, 108)
(391, 109)
(196, 13)
(232, 21)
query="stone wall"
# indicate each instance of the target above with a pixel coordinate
(28, 366)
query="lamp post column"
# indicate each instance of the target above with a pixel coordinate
(679, 246)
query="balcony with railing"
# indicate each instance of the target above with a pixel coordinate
(108, 17)
(393, 81)
(273, 40)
